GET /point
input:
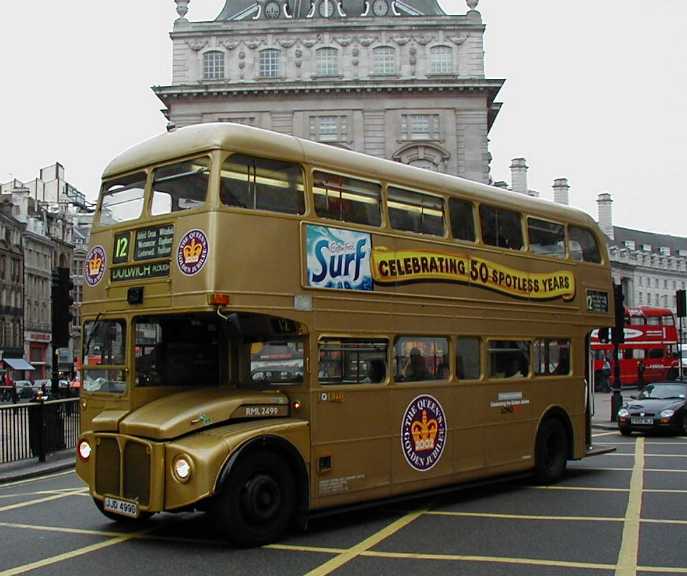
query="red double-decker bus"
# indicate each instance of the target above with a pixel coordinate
(650, 351)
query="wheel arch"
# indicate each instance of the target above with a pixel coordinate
(283, 448)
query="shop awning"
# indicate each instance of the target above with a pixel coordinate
(18, 364)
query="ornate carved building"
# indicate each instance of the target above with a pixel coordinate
(398, 79)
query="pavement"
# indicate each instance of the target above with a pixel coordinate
(64, 460)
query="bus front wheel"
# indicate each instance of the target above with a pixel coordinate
(257, 502)
(551, 451)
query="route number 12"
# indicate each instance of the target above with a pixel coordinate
(122, 242)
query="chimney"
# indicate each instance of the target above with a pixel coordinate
(605, 203)
(560, 191)
(518, 170)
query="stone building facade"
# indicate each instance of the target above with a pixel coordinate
(649, 265)
(11, 285)
(395, 79)
(45, 207)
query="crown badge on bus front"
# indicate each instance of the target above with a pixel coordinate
(96, 262)
(192, 252)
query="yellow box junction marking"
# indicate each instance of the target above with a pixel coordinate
(629, 547)
(348, 555)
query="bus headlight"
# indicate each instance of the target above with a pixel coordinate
(182, 468)
(84, 450)
(623, 413)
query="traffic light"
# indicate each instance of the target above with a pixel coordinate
(681, 301)
(618, 331)
(61, 307)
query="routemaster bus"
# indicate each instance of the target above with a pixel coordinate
(650, 351)
(275, 328)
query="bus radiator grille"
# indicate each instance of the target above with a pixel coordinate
(134, 483)
(137, 472)
(107, 466)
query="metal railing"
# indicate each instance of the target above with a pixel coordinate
(34, 429)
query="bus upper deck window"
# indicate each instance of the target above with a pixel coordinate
(546, 238)
(347, 199)
(262, 184)
(583, 246)
(501, 227)
(416, 212)
(122, 198)
(462, 219)
(180, 186)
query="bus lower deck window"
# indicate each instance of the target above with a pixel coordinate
(509, 358)
(352, 361)
(421, 358)
(468, 358)
(552, 357)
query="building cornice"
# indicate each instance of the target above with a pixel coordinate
(346, 25)
(294, 88)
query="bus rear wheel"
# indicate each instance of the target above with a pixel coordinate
(551, 451)
(257, 502)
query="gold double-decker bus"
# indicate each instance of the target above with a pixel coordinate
(275, 327)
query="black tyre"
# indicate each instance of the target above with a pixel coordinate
(257, 502)
(625, 431)
(551, 451)
(683, 430)
(142, 517)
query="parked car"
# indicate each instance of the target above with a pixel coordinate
(25, 390)
(661, 406)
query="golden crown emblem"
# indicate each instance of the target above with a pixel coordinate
(424, 432)
(94, 265)
(192, 252)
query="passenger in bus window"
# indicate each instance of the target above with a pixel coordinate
(416, 369)
(563, 362)
(376, 371)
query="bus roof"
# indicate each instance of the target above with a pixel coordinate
(200, 138)
(649, 311)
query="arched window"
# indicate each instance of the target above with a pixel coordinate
(442, 60)
(213, 65)
(384, 60)
(269, 63)
(326, 62)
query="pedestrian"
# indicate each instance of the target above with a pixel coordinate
(640, 373)
(606, 374)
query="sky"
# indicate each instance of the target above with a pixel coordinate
(594, 93)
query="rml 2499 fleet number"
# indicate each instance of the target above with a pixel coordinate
(262, 411)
